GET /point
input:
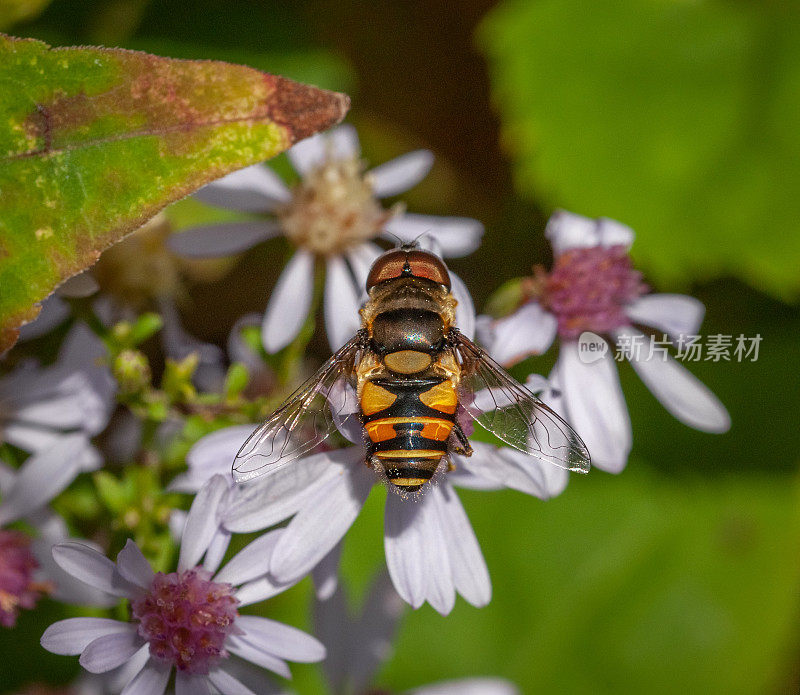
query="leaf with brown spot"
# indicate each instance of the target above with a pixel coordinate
(95, 141)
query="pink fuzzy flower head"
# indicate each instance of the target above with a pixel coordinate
(589, 288)
(18, 590)
(186, 617)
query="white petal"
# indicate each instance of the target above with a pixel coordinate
(203, 522)
(465, 309)
(326, 573)
(118, 678)
(151, 680)
(441, 591)
(675, 314)
(261, 589)
(92, 568)
(241, 674)
(679, 391)
(108, 652)
(134, 567)
(276, 496)
(468, 686)
(403, 535)
(613, 233)
(596, 407)
(546, 479)
(45, 474)
(566, 230)
(253, 189)
(470, 478)
(454, 236)
(227, 684)
(401, 173)
(339, 143)
(243, 649)
(216, 550)
(250, 562)
(54, 312)
(290, 302)
(342, 302)
(281, 640)
(321, 523)
(212, 455)
(52, 530)
(79, 286)
(490, 462)
(528, 331)
(191, 684)
(470, 575)
(219, 240)
(29, 438)
(73, 635)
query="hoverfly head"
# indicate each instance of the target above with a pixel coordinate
(408, 261)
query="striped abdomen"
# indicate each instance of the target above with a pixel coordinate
(408, 422)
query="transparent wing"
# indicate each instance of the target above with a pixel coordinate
(500, 404)
(305, 420)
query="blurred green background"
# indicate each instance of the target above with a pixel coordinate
(682, 574)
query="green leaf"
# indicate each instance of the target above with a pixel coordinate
(95, 141)
(146, 326)
(236, 380)
(677, 118)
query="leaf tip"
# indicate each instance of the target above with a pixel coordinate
(304, 110)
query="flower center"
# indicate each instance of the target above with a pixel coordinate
(186, 617)
(588, 289)
(18, 590)
(333, 208)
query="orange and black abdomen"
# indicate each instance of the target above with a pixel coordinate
(408, 422)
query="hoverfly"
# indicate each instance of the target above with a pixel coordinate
(407, 378)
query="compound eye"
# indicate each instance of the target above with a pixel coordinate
(426, 265)
(401, 262)
(387, 267)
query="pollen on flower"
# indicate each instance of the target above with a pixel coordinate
(333, 208)
(588, 289)
(186, 617)
(18, 590)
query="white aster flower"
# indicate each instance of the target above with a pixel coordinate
(76, 394)
(593, 287)
(26, 570)
(431, 550)
(333, 214)
(358, 645)
(188, 621)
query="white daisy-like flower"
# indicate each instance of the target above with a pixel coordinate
(359, 644)
(76, 394)
(431, 550)
(333, 214)
(26, 570)
(593, 287)
(187, 622)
